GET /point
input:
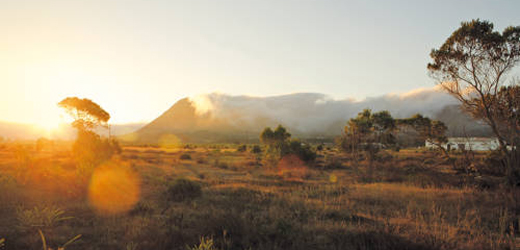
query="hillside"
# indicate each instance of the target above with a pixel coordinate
(225, 118)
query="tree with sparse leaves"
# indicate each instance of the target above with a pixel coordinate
(86, 113)
(369, 132)
(89, 149)
(280, 144)
(429, 130)
(473, 66)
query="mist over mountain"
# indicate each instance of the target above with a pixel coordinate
(225, 118)
(219, 117)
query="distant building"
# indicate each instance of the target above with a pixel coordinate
(469, 143)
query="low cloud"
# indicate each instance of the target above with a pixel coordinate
(313, 112)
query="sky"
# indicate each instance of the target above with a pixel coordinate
(137, 58)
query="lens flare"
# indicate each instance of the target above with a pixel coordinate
(290, 167)
(114, 188)
(169, 141)
(333, 178)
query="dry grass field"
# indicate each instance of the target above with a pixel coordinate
(215, 197)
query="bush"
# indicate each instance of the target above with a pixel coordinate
(183, 189)
(332, 162)
(90, 150)
(492, 164)
(221, 165)
(39, 217)
(303, 151)
(185, 157)
(256, 149)
(242, 148)
(142, 208)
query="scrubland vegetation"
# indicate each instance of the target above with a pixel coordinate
(368, 191)
(222, 197)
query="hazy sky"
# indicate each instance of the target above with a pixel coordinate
(137, 58)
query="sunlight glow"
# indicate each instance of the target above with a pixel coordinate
(169, 141)
(51, 122)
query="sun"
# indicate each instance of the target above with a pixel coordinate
(50, 121)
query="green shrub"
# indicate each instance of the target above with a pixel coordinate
(183, 189)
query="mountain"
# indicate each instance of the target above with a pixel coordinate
(461, 124)
(18, 131)
(183, 121)
(225, 118)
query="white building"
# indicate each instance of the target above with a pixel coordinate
(469, 143)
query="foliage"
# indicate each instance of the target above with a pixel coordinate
(86, 113)
(132, 246)
(205, 244)
(429, 130)
(185, 157)
(40, 217)
(182, 190)
(280, 144)
(256, 149)
(411, 202)
(507, 114)
(368, 132)
(89, 149)
(472, 65)
(44, 241)
(302, 150)
(274, 138)
(242, 148)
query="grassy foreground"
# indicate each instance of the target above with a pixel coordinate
(215, 197)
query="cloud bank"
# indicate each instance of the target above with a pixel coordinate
(313, 112)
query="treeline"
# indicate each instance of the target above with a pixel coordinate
(366, 134)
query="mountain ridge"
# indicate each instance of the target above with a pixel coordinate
(214, 118)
